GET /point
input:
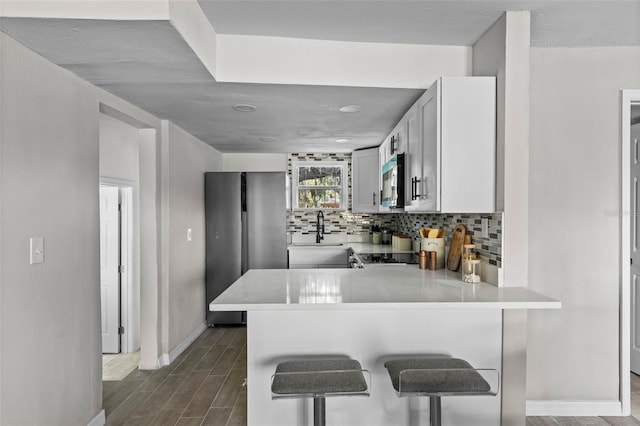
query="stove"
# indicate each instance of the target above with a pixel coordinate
(400, 258)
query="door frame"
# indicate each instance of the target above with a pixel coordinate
(628, 97)
(128, 308)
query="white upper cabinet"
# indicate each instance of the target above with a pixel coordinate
(451, 164)
(384, 151)
(365, 178)
(449, 140)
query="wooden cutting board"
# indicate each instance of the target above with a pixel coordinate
(455, 247)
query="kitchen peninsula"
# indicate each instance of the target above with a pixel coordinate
(371, 314)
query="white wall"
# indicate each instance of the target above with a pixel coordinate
(574, 197)
(255, 162)
(189, 160)
(50, 353)
(503, 51)
(119, 150)
(284, 60)
(50, 357)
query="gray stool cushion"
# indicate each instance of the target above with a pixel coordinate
(319, 376)
(427, 376)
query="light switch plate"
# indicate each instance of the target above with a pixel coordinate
(189, 236)
(37, 250)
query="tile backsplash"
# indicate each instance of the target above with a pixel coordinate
(488, 248)
(355, 226)
(301, 225)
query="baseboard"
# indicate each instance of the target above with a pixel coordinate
(99, 420)
(166, 359)
(574, 408)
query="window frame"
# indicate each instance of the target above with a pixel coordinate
(343, 187)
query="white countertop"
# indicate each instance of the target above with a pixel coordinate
(377, 287)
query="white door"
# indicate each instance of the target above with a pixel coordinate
(109, 268)
(635, 252)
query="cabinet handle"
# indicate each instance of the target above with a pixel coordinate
(374, 198)
(414, 188)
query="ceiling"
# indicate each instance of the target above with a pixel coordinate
(571, 23)
(149, 64)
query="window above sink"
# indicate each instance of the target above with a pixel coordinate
(319, 185)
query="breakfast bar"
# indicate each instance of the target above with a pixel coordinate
(372, 315)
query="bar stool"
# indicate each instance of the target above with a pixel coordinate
(318, 379)
(436, 377)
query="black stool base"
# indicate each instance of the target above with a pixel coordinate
(435, 411)
(319, 411)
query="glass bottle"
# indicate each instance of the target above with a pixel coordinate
(470, 264)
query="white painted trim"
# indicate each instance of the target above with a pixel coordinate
(166, 359)
(99, 420)
(574, 408)
(628, 96)
(156, 365)
(127, 283)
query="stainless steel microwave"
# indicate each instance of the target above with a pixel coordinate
(393, 182)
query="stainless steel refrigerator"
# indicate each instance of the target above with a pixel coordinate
(245, 229)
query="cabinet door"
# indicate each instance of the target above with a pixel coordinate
(430, 136)
(423, 171)
(365, 177)
(468, 150)
(413, 158)
(397, 143)
(384, 157)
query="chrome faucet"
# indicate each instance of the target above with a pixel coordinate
(320, 227)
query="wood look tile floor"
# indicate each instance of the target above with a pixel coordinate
(206, 385)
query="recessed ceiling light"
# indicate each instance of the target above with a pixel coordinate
(350, 108)
(268, 139)
(342, 140)
(244, 107)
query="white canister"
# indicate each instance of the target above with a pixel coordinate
(437, 245)
(375, 237)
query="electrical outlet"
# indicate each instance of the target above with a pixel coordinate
(36, 247)
(485, 227)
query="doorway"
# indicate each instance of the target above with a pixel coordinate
(634, 141)
(119, 307)
(110, 269)
(128, 157)
(630, 247)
